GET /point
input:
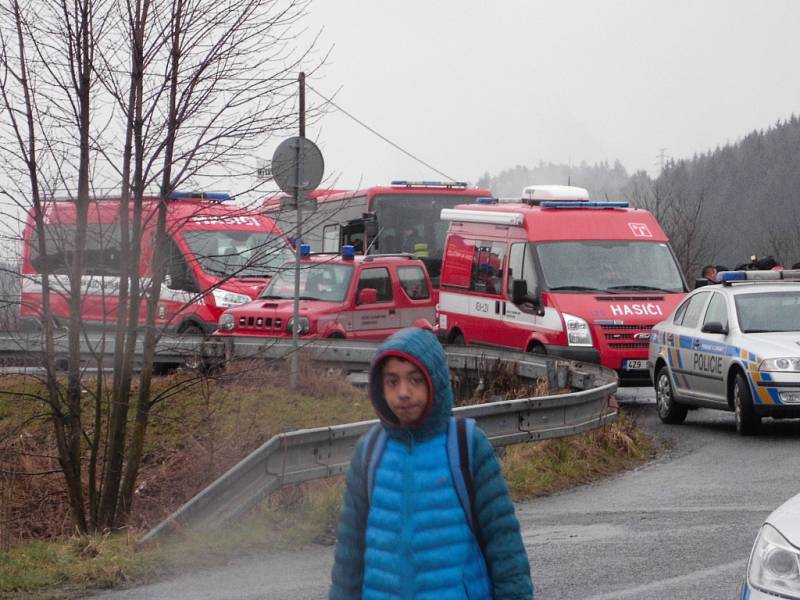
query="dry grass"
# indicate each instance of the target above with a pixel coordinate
(541, 468)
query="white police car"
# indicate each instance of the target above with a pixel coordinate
(733, 346)
(774, 566)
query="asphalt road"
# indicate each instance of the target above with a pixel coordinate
(679, 527)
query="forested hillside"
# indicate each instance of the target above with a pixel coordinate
(719, 207)
(602, 180)
(739, 200)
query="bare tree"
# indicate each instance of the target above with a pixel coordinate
(684, 215)
(139, 96)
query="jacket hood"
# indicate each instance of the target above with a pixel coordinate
(420, 347)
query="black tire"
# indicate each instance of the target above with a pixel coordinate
(747, 421)
(194, 362)
(669, 411)
(538, 349)
(458, 340)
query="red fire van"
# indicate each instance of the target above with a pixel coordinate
(556, 274)
(341, 296)
(211, 245)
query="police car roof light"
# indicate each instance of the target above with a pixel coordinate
(348, 252)
(584, 205)
(305, 249)
(486, 200)
(218, 196)
(731, 276)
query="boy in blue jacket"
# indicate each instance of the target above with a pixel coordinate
(410, 538)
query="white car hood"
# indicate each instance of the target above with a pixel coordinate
(786, 519)
(779, 344)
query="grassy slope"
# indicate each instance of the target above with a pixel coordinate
(200, 431)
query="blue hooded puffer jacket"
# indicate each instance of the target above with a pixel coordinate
(413, 540)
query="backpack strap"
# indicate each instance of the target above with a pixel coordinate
(460, 432)
(373, 451)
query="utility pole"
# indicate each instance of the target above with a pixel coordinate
(298, 200)
(662, 159)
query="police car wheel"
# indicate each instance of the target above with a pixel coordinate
(669, 411)
(747, 421)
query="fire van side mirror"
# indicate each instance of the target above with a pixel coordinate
(520, 295)
(519, 291)
(367, 296)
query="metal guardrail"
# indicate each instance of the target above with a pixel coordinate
(309, 454)
(172, 349)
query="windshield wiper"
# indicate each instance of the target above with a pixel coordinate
(641, 287)
(273, 297)
(575, 288)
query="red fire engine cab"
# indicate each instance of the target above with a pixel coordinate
(341, 296)
(557, 274)
(219, 256)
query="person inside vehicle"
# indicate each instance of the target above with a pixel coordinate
(710, 273)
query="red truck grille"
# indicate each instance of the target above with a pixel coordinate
(259, 323)
(623, 337)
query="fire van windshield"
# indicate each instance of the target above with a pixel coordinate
(609, 266)
(238, 253)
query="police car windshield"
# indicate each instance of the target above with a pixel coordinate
(318, 281)
(243, 253)
(768, 311)
(609, 266)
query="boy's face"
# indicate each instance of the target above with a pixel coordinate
(405, 389)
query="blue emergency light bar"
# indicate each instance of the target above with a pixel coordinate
(305, 250)
(444, 184)
(785, 275)
(348, 252)
(584, 204)
(487, 200)
(219, 196)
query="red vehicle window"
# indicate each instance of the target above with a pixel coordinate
(377, 278)
(487, 267)
(412, 280)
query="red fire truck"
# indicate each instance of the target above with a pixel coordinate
(557, 274)
(401, 217)
(341, 296)
(219, 256)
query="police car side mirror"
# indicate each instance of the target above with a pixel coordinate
(367, 296)
(714, 327)
(700, 282)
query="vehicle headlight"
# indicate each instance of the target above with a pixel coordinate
(227, 322)
(578, 333)
(303, 325)
(226, 299)
(775, 564)
(790, 364)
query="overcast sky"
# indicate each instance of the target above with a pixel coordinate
(473, 86)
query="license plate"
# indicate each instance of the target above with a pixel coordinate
(634, 364)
